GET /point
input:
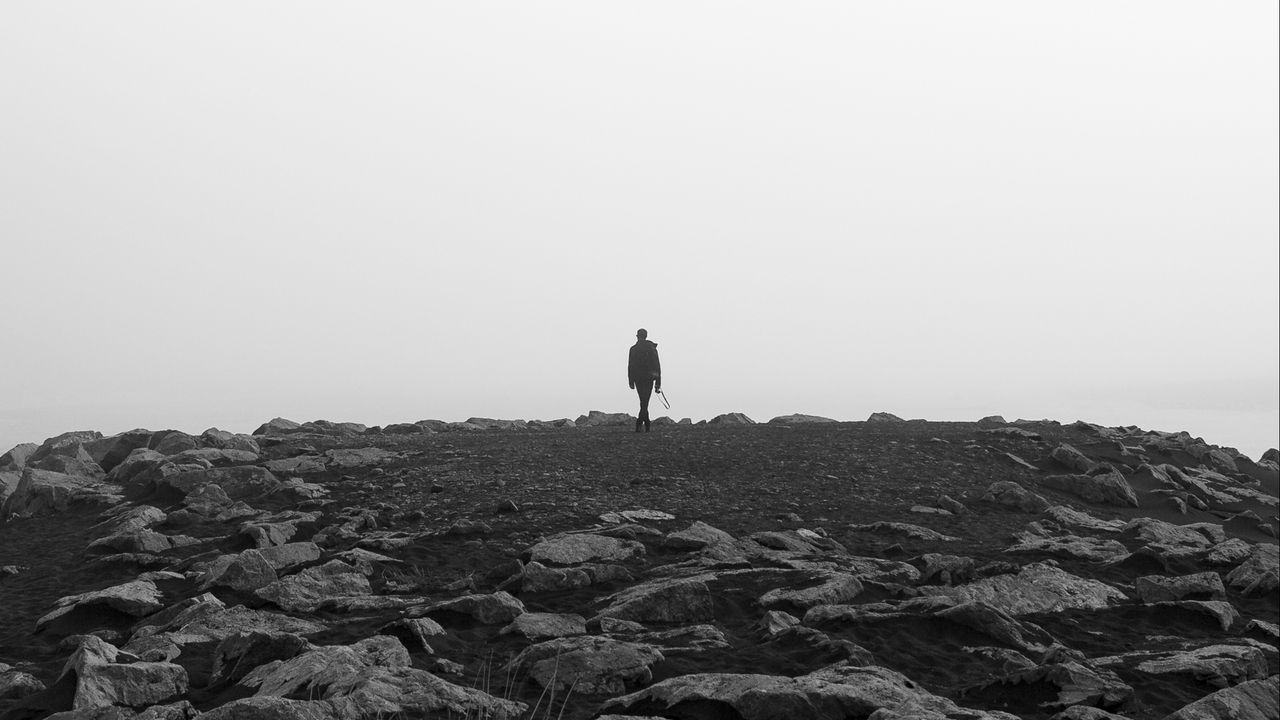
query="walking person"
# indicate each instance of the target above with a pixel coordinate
(644, 374)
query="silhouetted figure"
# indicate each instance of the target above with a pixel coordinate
(644, 374)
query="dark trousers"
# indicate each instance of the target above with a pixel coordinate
(645, 389)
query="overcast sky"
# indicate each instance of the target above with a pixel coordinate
(212, 214)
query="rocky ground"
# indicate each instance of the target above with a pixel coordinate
(574, 569)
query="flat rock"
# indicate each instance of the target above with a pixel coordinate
(305, 591)
(1260, 572)
(245, 571)
(1011, 494)
(1251, 700)
(590, 664)
(98, 680)
(497, 608)
(697, 536)
(575, 549)
(1108, 488)
(1073, 546)
(832, 588)
(1217, 665)
(684, 600)
(359, 457)
(543, 626)
(15, 684)
(912, 531)
(239, 483)
(1036, 588)
(1077, 684)
(137, 598)
(1160, 588)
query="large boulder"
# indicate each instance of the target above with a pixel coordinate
(733, 418)
(306, 591)
(800, 419)
(1105, 488)
(833, 693)
(215, 438)
(172, 442)
(1260, 572)
(595, 418)
(1216, 665)
(1011, 494)
(137, 598)
(17, 456)
(97, 680)
(1072, 459)
(499, 608)
(588, 664)
(109, 452)
(278, 426)
(578, 548)
(40, 492)
(680, 600)
(1036, 588)
(239, 483)
(1251, 700)
(1159, 588)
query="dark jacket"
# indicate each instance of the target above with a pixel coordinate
(642, 363)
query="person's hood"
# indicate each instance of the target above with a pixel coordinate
(646, 342)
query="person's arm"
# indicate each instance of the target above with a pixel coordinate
(631, 363)
(657, 371)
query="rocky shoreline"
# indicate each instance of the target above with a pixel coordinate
(800, 568)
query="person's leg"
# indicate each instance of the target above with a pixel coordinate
(645, 390)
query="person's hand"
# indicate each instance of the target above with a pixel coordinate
(631, 385)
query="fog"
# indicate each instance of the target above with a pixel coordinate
(215, 214)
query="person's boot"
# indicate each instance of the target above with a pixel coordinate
(646, 426)
(638, 422)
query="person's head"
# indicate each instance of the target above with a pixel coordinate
(641, 334)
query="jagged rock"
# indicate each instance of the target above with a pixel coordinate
(359, 457)
(140, 541)
(1075, 546)
(1082, 712)
(44, 491)
(124, 519)
(595, 418)
(371, 679)
(301, 464)
(1072, 459)
(15, 684)
(884, 417)
(290, 555)
(205, 620)
(1161, 533)
(833, 588)
(99, 680)
(911, 531)
(417, 630)
(833, 693)
(305, 591)
(1077, 684)
(800, 419)
(238, 654)
(1251, 700)
(245, 571)
(776, 621)
(1223, 612)
(1260, 572)
(1036, 588)
(1011, 494)
(995, 623)
(278, 426)
(575, 549)
(68, 444)
(1109, 488)
(215, 438)
(137, 598)
(275, 708)
(17, 456)
(662, 601)
(1070, 517)
(1014, 432)
(1157, 588)
(697, 536)
(541, 626)
(946, 569)
(1217, 665)
(172, 442)
(239, 483)
(588, 663)
(733, 418)
(497, 608)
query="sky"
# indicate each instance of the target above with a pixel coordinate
(212, 214)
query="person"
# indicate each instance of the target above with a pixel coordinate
(644, 374)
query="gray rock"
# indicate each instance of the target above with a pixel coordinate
(1011, 494)
(589, 664)
(291, 555)
(1073, 546)
(1260, 572)
(1159, 532)
(497, 608)
(98, 680)
(884, 417)
(595, 418)
(223, 440)
(137, 598)
(1036, 588)
(278, 426)
(218, 457)
(697, 536)
(662, 601)
(800, 419)
(1159, 588)
(172, 442)
(238, 654)
(832, 588)
(140, 541)
(15, 684)
(359, 457)
(1072, 459)
(543, 626)
(733, 418)
(418, 631)
(1108, 488)
(17, 456)
(1070, 517)
(574, 549)
(1078, 684)
(1223, 612)
(912, 531)
(245, 571)
(1251, 700)
(306, 591)
(1217, 665)
(239, 483)
(275, 708)
(301, 464)
(833, 693)
(40, 492)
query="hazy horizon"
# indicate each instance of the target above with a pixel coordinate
(216, 215)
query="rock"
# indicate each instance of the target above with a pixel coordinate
(1108, 488)
(697, 536)
(775, 622)
(39, 492)
(305, 591)
(140, 541)
(834, 588)
(1077, 684)
(1016, 460)
(17, 456)
(371, 679)
(536, 577)
(733, 418)
(574, 549)
(1013, 432)
(1157, 588)
(278, 426)
(947, 569)
(238, 654)
(1223, 612)
(124, 519)
(662, 601)
(1159, 532)
(1072, 459)
(274, 708)
(1011, 494)
(800, 419)
(359, 457)
(223, 440)
(301, 464)
(239, 483)
(136, 598)
(1072, 546)
(1070, 517)
(1251, 700)
(172, 442)
(595, 418)
(1259, 573)
(245, 571)
(290, 555)
(884, 417)
(15, 684)
(588, 664)
(996, 624)
(98, 680)
(951, 505)
(416, 630)
(1082, 712)
(542, 626)
(911, 531)
(497, 608)
(1217, 665)
(833, 693)
(1036, 588)
(205, 620)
